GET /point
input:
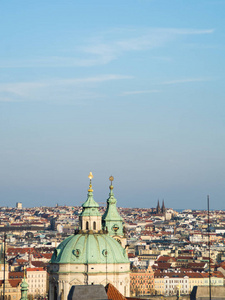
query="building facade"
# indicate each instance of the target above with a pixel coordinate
(37, 281)
(142, 282)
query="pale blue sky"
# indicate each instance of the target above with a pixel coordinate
(133, 89)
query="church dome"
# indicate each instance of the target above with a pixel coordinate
(87, 248)
(93, 255)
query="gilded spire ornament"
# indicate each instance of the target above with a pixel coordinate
(90, 176)
(111, 178)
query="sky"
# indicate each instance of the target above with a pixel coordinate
(132, 88)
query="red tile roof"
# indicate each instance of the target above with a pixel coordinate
(15, 275)
(196, 265)
(185, 257)
(21, 261)
(166, 258)
(194, 275)
(20, 250)
(34, 269)
(47, 255)
(113, 293)
(218, 274)
(39, 264)
(12, 282)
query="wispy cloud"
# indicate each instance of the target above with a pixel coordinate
(140, 40)
(54, 62)
(21, 91)
(139, 92)
(200, 46)
(108, 46)
(187, 31)
(186, 80)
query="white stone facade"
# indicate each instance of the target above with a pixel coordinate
(37, 281)
(91, 223)
(62, 277)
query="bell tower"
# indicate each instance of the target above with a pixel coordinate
(112, 221)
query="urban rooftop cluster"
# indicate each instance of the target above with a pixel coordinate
(168, 250)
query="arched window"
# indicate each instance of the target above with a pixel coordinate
(87, 225)
(94, 225)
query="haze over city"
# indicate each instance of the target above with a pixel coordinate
(133, 89)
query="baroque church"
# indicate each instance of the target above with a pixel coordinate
(95, 254)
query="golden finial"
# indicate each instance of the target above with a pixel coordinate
(24, 271)
(111, 178)
(90, 176)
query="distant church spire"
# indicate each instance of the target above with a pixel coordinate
(158, 209)
(163, 209)
(24, 288)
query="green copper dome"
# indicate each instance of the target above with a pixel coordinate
(86, 248)
(92, 245)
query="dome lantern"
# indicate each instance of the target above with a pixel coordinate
(90, 217)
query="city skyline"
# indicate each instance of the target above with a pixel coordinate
(131, 89)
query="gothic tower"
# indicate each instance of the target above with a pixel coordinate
(163, 209)
(158, 209)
